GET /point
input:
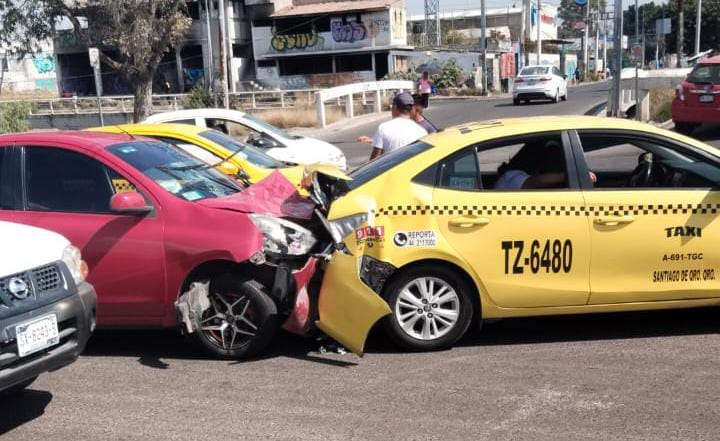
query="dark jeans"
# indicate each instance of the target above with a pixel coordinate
(425, 100)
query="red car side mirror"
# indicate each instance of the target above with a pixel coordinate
(129, 202)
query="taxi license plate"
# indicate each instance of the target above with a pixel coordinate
(706, 98)
(36, 335)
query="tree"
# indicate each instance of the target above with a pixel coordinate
(570, 12)
(139, 33)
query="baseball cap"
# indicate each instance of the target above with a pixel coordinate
(403, 100)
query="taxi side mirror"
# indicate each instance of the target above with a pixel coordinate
(129, 202)
(229, 169)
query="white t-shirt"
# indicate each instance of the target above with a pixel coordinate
(512, 179)
(396, 133)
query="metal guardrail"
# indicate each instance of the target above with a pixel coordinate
(373, 88)
(255, 100)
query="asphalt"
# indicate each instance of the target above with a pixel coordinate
(639, 376)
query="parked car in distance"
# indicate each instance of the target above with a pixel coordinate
(252, 130)
(163, 233)
(697, 98)
(47, 309)
(539, 82)
(214, 148)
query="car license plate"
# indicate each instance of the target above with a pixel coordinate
(531, 82)
(706, 98)
(36, 335)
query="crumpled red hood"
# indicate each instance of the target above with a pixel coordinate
(275, 196)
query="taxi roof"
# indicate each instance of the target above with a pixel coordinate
(479, 131)
(153, 129)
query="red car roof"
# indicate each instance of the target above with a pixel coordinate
(711, 60)
(85, 139)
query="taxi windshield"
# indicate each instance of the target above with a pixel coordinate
(176, 172)
(242, 151)
(388, 161)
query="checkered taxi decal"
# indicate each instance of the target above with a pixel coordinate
(546, 210)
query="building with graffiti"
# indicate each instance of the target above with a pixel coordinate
(320, 43)
(30, 73)
(198, 59)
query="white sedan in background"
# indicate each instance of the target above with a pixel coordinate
(272, 140)
(539, 82)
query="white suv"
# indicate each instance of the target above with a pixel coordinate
(539, 82)
(246, 128)
(47, 310)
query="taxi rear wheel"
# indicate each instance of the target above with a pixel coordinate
(431, 308)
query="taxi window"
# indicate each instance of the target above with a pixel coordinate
(620, 161)
(483, 166)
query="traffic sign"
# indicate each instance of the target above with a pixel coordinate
(636, 54)
(581, 2)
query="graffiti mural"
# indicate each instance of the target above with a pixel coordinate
(44, 64)
(283, 43)
(348, 32)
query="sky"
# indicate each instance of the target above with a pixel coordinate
(417, 6)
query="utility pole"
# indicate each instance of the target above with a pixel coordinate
(698, 25)
(483, 47)
(680, 32)
(597, 40)
(223, 52)
(211, 60)
(521, 39)
(637, 65)
(617, 51)
(586, 35)
(539, 35)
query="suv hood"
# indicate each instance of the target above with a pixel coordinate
(26, 247)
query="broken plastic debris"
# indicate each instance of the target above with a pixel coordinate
(331, 346)
(192, 304)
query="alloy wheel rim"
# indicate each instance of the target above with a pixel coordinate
(229, 321)
(427, 308)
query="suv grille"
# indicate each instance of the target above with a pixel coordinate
(39, 281)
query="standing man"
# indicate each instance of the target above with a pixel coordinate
(419, 118)
(400, 131)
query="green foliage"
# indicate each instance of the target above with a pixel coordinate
(14, 116)
(451, 75)
(570, 12)
(198, 98)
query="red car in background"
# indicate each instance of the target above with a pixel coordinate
(697, 99)
(158, 228)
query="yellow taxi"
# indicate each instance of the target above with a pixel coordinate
(521, 217)
(215, 148)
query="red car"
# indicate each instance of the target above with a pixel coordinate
(168, 240)
(697, 99)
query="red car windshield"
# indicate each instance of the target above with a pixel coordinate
(178, 173)
(705, 74)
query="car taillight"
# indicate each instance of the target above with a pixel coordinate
(546, 79)
(680, 92)
(519, 80)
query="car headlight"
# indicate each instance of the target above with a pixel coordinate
(73, 260)
(283, 237)
(345, 226)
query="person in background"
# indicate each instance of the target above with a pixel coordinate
(400, 131)
(419, 118)
(425, 87)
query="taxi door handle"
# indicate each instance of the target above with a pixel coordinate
(468, 222)
(614, 220)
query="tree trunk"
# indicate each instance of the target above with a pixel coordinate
(680, 32)
(143, 99)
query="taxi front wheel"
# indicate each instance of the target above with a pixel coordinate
(431, 308)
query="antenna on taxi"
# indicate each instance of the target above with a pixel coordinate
(125, 132)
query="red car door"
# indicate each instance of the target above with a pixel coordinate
(69, 192)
